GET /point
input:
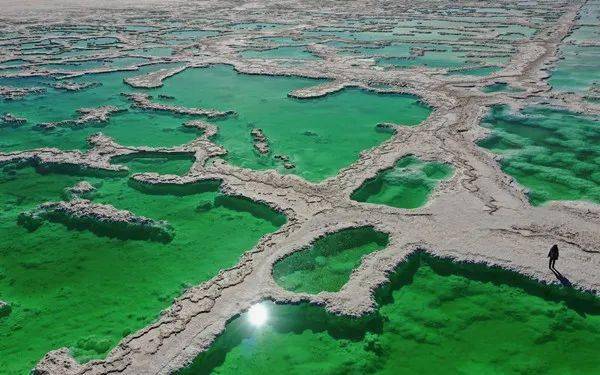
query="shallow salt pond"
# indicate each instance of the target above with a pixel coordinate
(153, 51)
(320, 136)
(577, 70)
(434, 317)
(173, 163)
(131, 128)
(57, 105)
(553, 153)
(392, 50)
(326, 265)
(406, 185)
(87, 292)
(101, 287)
(433, 59)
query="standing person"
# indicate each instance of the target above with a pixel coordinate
(553, 255)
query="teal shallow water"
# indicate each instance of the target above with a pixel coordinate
(577, 70)
(58, 105)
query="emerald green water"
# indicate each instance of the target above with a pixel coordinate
(132, 128)
(320, 135)
(555, 154)
(407, 185)
(434, 317)
(70, 288)
(118, 62)
(326, 265)
(87, 291)
(84, 291)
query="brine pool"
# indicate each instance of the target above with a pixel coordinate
(435, 316)
(87, 291)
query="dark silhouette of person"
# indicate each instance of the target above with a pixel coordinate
(553, 255)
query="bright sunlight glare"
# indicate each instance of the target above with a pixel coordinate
(258, 315)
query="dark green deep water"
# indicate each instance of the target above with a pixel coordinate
(435, 316)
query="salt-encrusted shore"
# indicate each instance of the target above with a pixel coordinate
(86, 115)
(261, 143)
(208, 129)
(14, 93)
(153, 79)
(80, 190)
(102, 219)
(143, 101)
(12, 120)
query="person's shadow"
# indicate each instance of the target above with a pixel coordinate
(563, 280)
